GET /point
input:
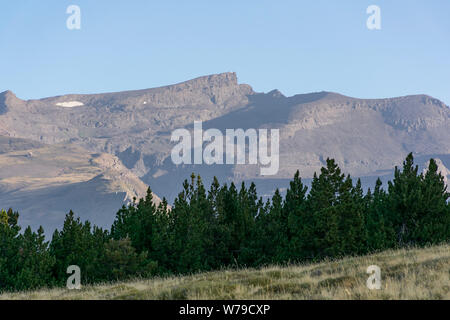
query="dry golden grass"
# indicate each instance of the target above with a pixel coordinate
(406, 274)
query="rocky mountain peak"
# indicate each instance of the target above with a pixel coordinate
(7, 93)
(217, 89)
(219, 80)
(7, 98)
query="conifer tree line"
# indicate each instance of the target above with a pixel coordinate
(230, 226)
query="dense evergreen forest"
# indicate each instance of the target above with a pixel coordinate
(230, 226)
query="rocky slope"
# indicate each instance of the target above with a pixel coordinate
(43, 182)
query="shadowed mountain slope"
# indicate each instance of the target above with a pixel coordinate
(43, 182)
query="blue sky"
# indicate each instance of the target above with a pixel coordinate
(294, 46)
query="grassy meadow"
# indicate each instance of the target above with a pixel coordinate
(406, 274)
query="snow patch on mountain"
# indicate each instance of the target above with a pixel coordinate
(70, 104)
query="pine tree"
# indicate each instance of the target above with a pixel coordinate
(433, 218)
(161, 238)
(250, 207)
(351, 209)
(200, 242)
(9, 249)
(122, 261)
(321, 203)
(137, 222)
(77, 244)
(229, 219)
(179, 231)
(274, 231)
(405, 198)
(294, 207)
(220, 230)
(142, 223)
(380, 232)
(35, 261)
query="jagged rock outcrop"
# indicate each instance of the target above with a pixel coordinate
(121, 179)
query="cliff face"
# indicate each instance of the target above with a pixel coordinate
(8, 98)
(367, 137)
(220, 91)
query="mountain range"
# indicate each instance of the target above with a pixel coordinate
(94, 152)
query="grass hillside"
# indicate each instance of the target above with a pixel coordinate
(406, 274)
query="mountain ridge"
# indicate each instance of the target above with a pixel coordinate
(367, 137)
